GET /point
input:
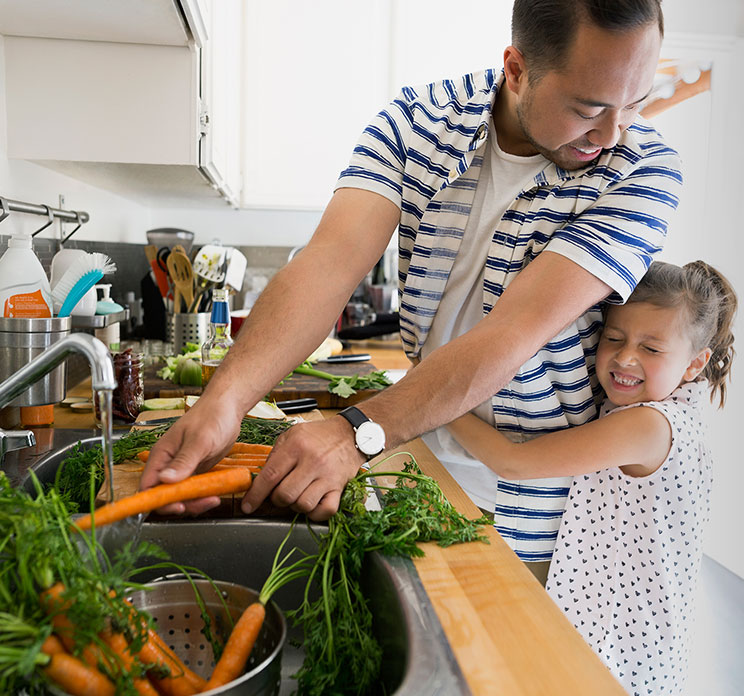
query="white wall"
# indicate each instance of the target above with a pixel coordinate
(707, 132)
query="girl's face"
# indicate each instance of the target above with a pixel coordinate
(645, 353)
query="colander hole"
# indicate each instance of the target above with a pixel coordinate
(187, 630)
(186, 647)
(187, 615)
(201, 646)
(199, 663)
(171, 632)
(171, 617)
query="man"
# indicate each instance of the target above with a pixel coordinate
(522, 200)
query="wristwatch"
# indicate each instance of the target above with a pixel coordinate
(369, 436)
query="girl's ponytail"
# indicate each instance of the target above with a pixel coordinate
(721, 341)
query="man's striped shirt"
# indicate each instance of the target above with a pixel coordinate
(424, 153)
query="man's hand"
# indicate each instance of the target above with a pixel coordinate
(192, 445)
(308, 469)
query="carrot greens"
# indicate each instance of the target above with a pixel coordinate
(342, 655)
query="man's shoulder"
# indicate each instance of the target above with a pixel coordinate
(642, 139)
(473, 90)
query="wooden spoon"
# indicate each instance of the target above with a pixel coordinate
(182, 274)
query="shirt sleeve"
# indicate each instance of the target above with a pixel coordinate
(617, 237)
(379, 157)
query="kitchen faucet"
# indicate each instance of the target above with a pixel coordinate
(101, 368)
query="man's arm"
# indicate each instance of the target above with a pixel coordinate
(290, 319)
(308, 470)
(584, 449)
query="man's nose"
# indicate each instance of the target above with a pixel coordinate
(607, 130)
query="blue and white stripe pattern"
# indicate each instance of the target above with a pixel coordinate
(424, 152)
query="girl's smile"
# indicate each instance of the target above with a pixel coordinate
(645, 353)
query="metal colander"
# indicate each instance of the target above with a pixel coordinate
(178, 621)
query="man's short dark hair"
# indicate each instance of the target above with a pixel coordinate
(544, 30)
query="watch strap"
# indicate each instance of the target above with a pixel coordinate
(354, 416)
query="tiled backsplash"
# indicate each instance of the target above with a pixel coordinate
(132, 267)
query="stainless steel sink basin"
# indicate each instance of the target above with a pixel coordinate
(416, 656)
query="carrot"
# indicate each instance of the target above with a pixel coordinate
(118, 644)
(199, 486)
(144, 455)
(75, 677)
(52, 645)
(250, 448)
(166, 658)
(238, 646)
(55, 606)
(176, 683)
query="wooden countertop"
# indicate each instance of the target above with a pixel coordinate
(507, 634)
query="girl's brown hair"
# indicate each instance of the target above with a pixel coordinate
(710, 303)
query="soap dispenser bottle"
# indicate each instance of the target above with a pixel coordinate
(110, 334)
(24, 286)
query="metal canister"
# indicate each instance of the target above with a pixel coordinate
(189, 328)
(21, 340)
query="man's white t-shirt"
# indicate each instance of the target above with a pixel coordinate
(502, 178)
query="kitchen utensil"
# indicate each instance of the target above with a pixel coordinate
(209, 271)
(161, 279)
(235, 273)
(348, 358)
(169, 237)
(173, 605)
(182, 274)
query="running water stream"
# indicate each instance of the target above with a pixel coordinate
(129, 529)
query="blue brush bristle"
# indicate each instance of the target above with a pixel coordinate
(86, 282)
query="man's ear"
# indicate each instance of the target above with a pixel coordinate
(697, 364)
(515, 70)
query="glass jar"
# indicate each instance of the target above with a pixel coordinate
(129, 394)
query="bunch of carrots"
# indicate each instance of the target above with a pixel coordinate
(64, 614)
(244, 454)
(233, 474)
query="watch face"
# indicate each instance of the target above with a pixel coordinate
(370, 438)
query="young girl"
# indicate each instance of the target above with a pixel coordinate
(629, 548)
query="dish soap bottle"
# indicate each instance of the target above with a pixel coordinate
(24, 286)
(215, 348)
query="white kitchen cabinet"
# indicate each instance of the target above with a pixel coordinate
(315, 75)
(155, 118)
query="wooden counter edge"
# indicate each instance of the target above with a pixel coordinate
(507, 634)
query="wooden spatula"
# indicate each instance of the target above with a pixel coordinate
(182, 274)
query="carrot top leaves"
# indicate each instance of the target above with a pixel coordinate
(342, 655)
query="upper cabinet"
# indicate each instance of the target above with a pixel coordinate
(139, 97)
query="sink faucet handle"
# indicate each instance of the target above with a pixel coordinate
(15, 439)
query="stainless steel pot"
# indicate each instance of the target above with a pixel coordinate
(21, 340)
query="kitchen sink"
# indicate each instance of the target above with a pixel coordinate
(417, 658)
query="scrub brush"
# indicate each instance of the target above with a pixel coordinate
(80, 277)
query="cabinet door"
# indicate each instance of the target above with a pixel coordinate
(221, 100)
(315, 75)
(93, 101)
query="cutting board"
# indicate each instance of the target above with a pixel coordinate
(303, 386)
(127, 477)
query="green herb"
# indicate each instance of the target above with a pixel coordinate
(72, 480)
(262, 431)
(342, 655)
(346, 386)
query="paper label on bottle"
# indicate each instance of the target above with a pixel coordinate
(29, 305)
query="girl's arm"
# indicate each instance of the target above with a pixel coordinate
(636, 439)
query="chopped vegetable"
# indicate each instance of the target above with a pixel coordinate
(163, 404)
(189, 373)
(200, 486)
(346, 386)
